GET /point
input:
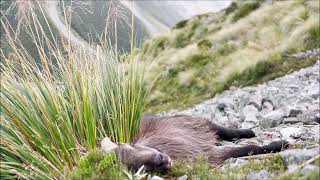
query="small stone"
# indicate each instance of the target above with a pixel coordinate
(155, 178)
(254, 175)
(234, 162)
(291, 132)
(184, 177)
(248, 125)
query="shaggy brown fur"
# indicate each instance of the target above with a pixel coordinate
(180, 137)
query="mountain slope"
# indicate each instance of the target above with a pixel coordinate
(244, 44)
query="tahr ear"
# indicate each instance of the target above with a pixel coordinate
(107, 145)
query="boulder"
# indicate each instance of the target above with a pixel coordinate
(272, 119)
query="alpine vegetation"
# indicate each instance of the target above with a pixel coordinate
(55, 108)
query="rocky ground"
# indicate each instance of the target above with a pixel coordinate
(285, 108)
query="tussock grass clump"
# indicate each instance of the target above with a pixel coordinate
(204, 44)
(245, 9)
(156, 47)
(181, 24)
(182, 39)
(57, 108)
(314, 37)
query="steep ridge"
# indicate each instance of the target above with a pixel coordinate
(246, 43)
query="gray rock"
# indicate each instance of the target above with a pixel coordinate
(256, 100)
(234, 162)
(272, 119)
(309, 168)
(248, 113)
(267, 107)
(309, 117)
(292, 120)
(291, 132)
(184, 177)
(225, 102)
(313, 91)
(155, 178)
(297, 156)
(294, 112)
(257, 175)
(248, 125)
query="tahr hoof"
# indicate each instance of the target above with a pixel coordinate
(279, 145)
(247, 133)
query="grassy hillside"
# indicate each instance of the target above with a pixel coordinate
(244, 44)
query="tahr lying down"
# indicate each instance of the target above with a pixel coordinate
(162, 140)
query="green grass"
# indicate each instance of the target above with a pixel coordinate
(57, 109)
(181, 24)
(182, 39)
(157, 46)
(204, 44)
(268, 70)
(201, 169)
(95, 165)
(245, 9)
(314, 37)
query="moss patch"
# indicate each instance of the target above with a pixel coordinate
(97, 166)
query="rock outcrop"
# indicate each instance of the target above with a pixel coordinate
(285, 108)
